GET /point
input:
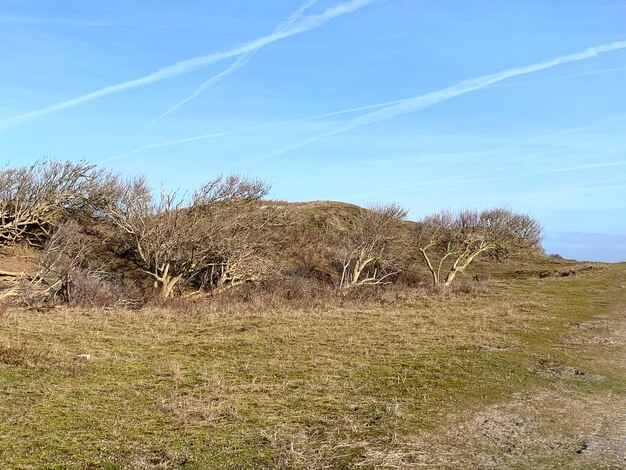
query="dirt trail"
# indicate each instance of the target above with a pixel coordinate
(577, 421)
(564, 427)
(607, 442)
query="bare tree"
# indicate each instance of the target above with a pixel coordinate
(238, 234)
(241, 241)
(33, 200)
(204, 239)
(369, 253)
(448, 243)
(61, 261)
(63, 274)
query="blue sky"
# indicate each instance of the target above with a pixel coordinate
(503, 102)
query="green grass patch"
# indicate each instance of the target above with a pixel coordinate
(292, 389)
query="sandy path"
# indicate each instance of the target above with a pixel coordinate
(577, 422)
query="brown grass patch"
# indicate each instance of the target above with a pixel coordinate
(405, 379)
(24, 356)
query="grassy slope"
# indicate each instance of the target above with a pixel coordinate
(338, 386)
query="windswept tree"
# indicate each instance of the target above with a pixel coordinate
(203, 239)
(448, 243)
(35, 199)
(241, 240)
(370, 251)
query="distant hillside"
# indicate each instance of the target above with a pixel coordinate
(326, 222)
(248, 240)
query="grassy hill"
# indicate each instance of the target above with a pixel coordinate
(300, 250)
(327, 223)
(525, 373)
(522, 366)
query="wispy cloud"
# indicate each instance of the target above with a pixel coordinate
(490, 177)
(602, 124)
(242, 130)
(36, 20)
(526, 174)
(390, 108)
(586, 73)
(240, 62)
(427, 100)
(306, 23)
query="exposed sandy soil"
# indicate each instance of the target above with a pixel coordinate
(561, 426)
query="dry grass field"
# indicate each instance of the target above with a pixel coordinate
(519, 373)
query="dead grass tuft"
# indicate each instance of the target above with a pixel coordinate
(404, 378)
(24, 356)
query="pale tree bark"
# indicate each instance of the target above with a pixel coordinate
(35, 199)
(12, 273)
(434, 273)
(454, 241)
(371, 248)
(203, 240)
(461, 264)
(164, 281)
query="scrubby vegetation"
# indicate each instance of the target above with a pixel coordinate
(218, 329)
(224, 235)
(525, 374)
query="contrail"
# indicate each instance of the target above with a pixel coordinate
(430, 99)
(569, 75)
(306, 23)
(240, 62)
(419, 102)
(591, 166)
(247, 129)
(483, 178)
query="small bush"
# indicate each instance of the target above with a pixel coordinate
(101, 289)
